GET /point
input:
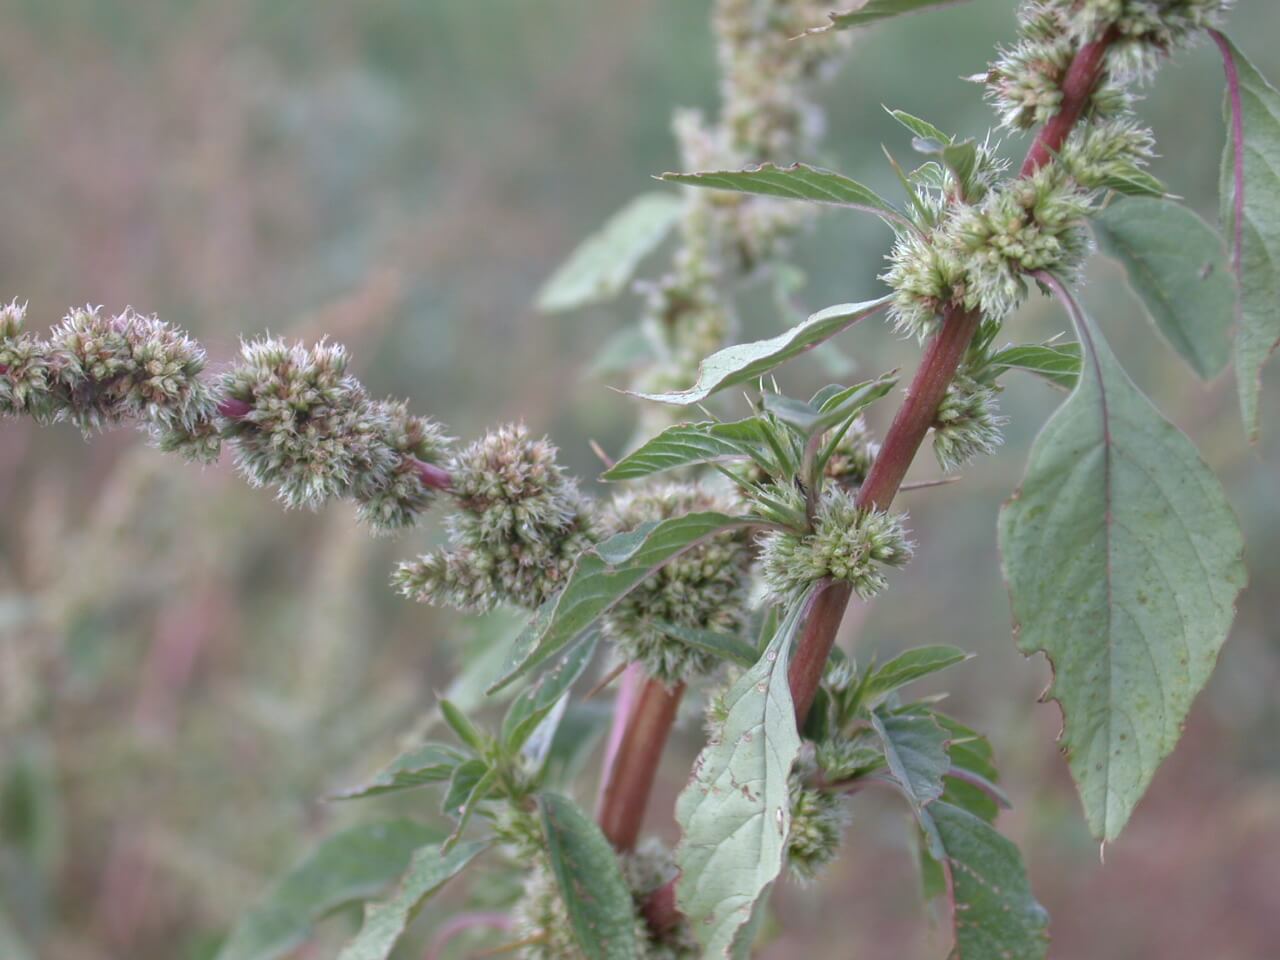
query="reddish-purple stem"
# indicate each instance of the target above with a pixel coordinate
(628, 691)
(1237, 145)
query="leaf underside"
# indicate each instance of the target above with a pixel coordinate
(1123, 560)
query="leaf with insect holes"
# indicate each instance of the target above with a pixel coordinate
(1256, 239)
(869, 11)
(1059, 363)
(586, 869)
(797, 182)
(425, 764)
(348, 867)
(1123, 560)
(1177, 265)
(385, 923)
(603, 576)
(735, 814)
(602, 264)
(745, 362)
(687, 444)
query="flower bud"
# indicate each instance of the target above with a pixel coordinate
(966, 423)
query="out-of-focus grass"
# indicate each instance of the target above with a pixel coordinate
(185, 670)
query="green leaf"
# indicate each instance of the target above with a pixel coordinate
(385, 923)
(996, 916)
(463, 727)
(533, 705)
(350, 866)
(723, 645)
(837, 408)
(686, 444)
(1059, 363)
(1133, 181)
(462, 787)
(602, 577)
(1258, 250)
(960, 158)
(428, 763)
(1176, 263)
(915, 748)
(910, 666)
(600, 267)
(1123, 560)
(796, 182)
(921, 128)
(869, 11)
(971, 754)
(589, 876)
(735, 813)
(744, 362)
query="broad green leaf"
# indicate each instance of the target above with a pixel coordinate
(351, 866)
(428, 763)
(996, 917)
(735, 814)
(869, 11)
(910, 666)
(533, 705)
(1176, 263)
(385, 923)
(1123, 560)
(589, 876)
(603, 576)
(1258, 233)
(1059, 363)
(744, 362)
(796, 182)
(600, 267)
(915, 748)
(686, 444)
(723, 645)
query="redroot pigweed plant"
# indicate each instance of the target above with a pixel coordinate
(730, 575)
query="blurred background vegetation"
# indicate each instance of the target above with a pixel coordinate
(186, 670)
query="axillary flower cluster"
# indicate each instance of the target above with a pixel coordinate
(977, 234)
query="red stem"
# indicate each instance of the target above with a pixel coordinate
(1237, 145)
(1077, 89)
(626, 792)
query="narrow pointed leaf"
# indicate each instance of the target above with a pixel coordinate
(797, 182)
(596, 897)
(602, 264)
(686, 444)
(535, 704)
(385, 923)
(869, 11)
(744, 362)
(1059, 363)
(910, 666)
(603, 576)
(1123, 560)
(920, 128)
(1177, 265)
(428, 763)
(350, 866)
(996, 916)
(735, 813)
(1255, 237)
(723, 645)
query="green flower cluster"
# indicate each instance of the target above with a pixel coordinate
(299, 422)
(1147, 29)
(702, 589)
(966, 423)
(520, 526)
(818, 822)
(847, 543)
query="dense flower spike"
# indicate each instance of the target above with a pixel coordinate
(300, 423)
(847, 543)
(854, 454)
(966, 424)
(818, 822)
(520, 526)
(1146, 30)
(297, 421)
(703, 589)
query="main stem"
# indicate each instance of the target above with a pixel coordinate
(623, 811)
